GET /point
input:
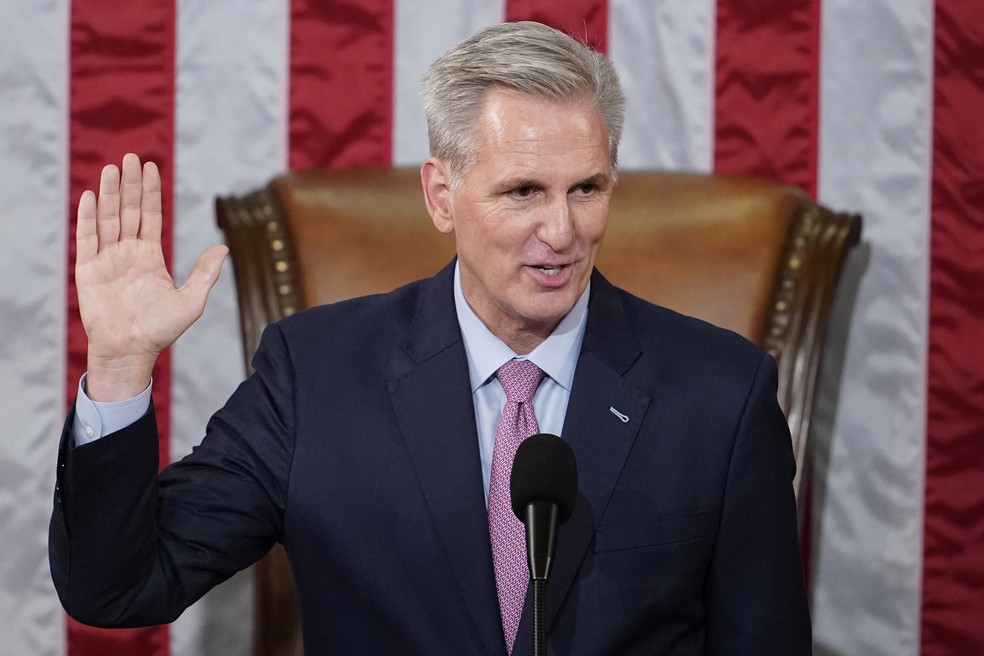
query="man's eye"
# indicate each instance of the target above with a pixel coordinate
(586, 189)
(523, 192)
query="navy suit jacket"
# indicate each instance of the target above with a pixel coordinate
(355, 445)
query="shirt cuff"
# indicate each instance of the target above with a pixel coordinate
(94, 419)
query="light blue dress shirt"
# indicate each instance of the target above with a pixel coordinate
(556, 356)
(93, 419)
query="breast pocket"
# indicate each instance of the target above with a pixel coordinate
(650, 532)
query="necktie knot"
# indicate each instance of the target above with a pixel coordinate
(519, 379)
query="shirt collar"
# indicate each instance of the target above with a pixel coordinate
(556, 356)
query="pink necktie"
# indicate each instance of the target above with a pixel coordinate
(519, 378)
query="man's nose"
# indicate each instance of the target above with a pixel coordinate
(556, 225)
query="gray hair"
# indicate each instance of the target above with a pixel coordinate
(526, 57)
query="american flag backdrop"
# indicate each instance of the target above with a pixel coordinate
(871, 105)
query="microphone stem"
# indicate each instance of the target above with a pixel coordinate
(539, 630)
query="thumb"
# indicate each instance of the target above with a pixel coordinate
(204, 276)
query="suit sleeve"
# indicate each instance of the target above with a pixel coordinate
(129, 547)
(756, 593)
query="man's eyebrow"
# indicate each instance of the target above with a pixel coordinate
(517, 183)
(598, 179)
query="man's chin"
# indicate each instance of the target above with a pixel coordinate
(549, 312)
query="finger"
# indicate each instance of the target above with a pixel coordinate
(86, 241)
(108, 206)
(130, 191)
(150, 203)
(203, 276)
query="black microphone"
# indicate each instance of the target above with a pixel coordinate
(543, 488)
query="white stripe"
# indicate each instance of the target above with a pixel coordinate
(664, 53)
(422, 35)
(33, 218)
(231, 137)
(874, 157)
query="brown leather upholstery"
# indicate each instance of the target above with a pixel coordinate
(744, 253)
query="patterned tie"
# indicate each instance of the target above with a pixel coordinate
(519, 379)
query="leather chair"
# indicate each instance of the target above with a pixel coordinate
(744, 253)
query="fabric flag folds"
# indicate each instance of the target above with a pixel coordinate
(870, 106)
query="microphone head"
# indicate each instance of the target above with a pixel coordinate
(544, 470)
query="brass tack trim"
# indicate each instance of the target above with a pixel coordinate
(776, 332)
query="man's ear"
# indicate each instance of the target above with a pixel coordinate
(437, 190)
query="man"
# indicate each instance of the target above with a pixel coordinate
(373, 439)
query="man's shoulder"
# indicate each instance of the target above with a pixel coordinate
(691, 364)
(656, 326)
(677, 326)
(358, 335)
(394, 307)
(676, 355)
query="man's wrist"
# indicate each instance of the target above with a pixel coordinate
(109, 380)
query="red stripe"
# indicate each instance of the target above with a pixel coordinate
(766, 108)
(341, 83)
(953, 558)
(121, 99)
(586, 19)
(766, 113)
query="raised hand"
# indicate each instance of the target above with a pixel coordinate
(130, 306)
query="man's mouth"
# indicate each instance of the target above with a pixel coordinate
(550, 271)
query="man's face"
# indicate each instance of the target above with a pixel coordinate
(530, 214)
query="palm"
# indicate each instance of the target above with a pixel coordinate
(127, 295)
(131, 309)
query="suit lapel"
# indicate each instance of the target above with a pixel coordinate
(432, 400)
(604, 416)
